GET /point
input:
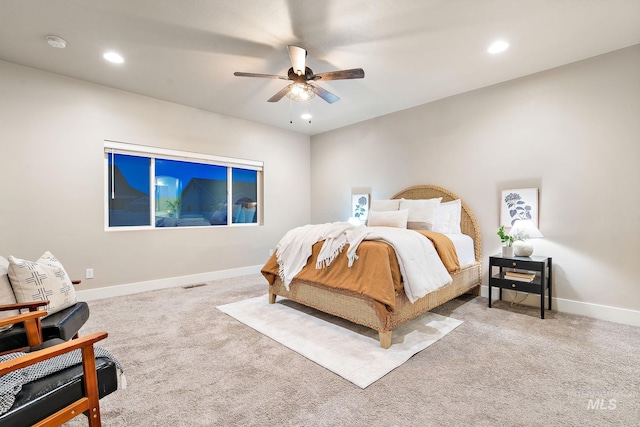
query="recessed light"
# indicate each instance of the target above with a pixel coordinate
(57, 42)
(113, 57)
(498, 46)
(306, 116)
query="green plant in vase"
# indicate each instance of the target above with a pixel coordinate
(507, 242)
(506, 239)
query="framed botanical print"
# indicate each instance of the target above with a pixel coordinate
(360, 207)
(519, 204)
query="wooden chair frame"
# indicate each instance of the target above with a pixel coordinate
(32, 324)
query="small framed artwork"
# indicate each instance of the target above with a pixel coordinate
(360, 207)
(519, 204)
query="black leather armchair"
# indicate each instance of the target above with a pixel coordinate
(64, 325)
(56, 398)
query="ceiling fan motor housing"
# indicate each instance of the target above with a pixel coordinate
(308, 74)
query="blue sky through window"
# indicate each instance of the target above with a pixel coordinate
(136, 171)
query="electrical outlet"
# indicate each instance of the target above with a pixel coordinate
(89, 274)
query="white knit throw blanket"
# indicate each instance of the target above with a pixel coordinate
(294, 249)
(11, 383)
(421, 267)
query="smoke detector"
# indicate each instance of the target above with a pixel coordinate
(57, 42)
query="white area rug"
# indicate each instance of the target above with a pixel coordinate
(351, 351)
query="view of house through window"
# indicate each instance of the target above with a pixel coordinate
(151, 190)
(189, 193)
(244, 195)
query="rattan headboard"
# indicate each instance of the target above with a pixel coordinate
(468, 223)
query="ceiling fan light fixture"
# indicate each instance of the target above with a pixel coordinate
(301, 92)
(300, 89)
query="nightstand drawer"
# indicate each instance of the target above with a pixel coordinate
(522, 264)
(516, 285)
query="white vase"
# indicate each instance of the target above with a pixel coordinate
(522, 248)
(507, 251)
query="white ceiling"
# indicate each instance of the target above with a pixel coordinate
(412, 51)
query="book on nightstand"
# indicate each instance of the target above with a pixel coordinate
(516, 275)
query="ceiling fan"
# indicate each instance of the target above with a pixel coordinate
(303, 87)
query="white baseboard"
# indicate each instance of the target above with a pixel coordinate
(597, 311)
(152, 285)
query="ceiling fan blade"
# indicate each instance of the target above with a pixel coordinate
(278, 96)
(354, 73)
(325, 94)
(266, 76)
(297, 55)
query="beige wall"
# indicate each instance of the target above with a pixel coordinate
(573, 132)
(51, 164)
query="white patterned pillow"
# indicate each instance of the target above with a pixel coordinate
(6, 293)
(45, 279)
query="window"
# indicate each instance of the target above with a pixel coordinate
(130, 205)
(158, 188)
(243, 182)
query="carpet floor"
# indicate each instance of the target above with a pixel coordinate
(188, 364)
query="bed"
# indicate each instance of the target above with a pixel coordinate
(370, 312)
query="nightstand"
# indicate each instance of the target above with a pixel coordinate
(539, 267)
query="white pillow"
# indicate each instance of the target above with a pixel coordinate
(45, 279)
(385, 205)
(448, 217)
(422, 213)
(6, 293)
(396, 219)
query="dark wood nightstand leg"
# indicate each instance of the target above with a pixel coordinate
(543, 285)
(550, 280)
(489, 292)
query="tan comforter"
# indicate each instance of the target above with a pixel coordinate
(376, 274)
